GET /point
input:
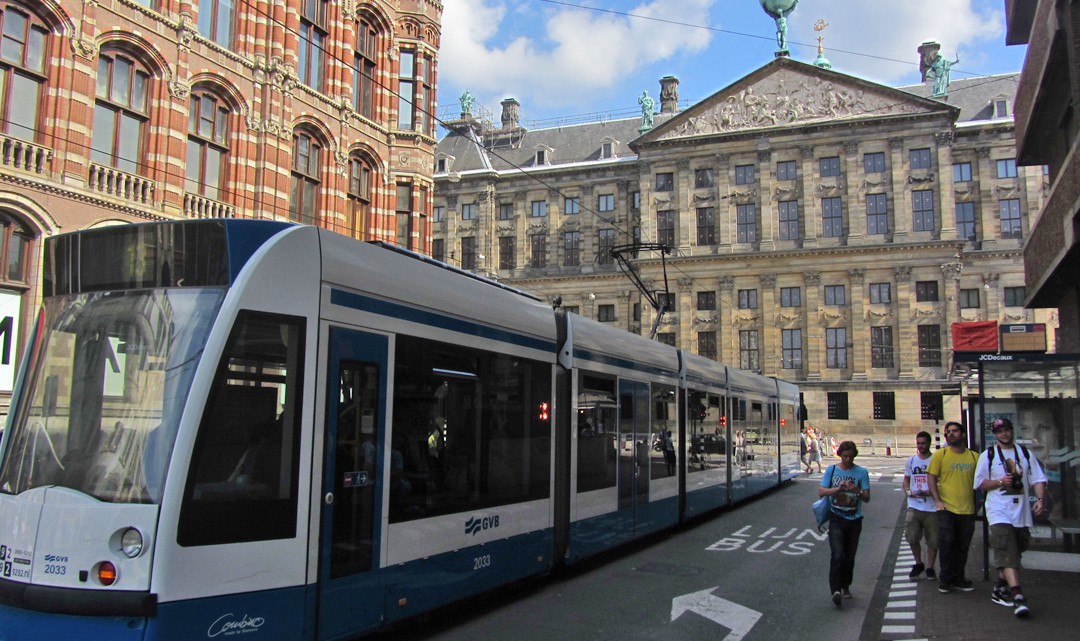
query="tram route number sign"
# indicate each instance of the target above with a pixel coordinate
(10, 312)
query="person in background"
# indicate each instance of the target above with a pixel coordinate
(951, 474)
(848, 486)
(1008, 473)
(921, 521)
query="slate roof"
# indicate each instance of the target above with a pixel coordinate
(975, 96)
(581, 143)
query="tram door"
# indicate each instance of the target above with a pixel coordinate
(634, 456)
(350, 599)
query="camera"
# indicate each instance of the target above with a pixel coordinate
(1017, 482)
(1016, 474)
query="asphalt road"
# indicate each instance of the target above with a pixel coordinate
(756, 572)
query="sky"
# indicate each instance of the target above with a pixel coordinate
(571, 61)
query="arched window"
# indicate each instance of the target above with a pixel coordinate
(207, 146)
(14, 250)
(361, 188)
(120, 112)
(216, 20)
(22, 72)
(306, 166)
(365, 67)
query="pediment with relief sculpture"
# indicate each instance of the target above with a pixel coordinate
(789, 93)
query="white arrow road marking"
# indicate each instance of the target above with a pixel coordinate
(737, 618)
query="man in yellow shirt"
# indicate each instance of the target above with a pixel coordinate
(952, 475)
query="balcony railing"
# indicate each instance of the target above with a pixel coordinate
(24, 155)
(118, 184)
(196, 206)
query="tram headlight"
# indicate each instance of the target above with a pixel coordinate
(131, 543)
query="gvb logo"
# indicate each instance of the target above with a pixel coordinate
(476, 524)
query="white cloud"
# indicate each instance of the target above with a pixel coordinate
(893, 30)
(561, 57)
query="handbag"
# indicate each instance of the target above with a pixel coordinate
(822, 506)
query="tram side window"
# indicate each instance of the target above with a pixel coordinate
(597, 433)
(708, 440)
(472, 428)
(242, 484)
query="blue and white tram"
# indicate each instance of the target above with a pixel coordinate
(247, 427)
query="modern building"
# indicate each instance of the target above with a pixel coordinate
(135, 110)
(824, 229)
(1047, 127)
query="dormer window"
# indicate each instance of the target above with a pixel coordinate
(541, 157)
(443, 163)
(1001, 108)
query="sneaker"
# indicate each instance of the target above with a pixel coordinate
(1020, 607)
(1002, 596)
(944, 587)
(836, 597)
(916, 570)
(931, 575)
(964, 585)
(846, 593)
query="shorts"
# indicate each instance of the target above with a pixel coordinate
(919, 524)
(1008, 542)
(815, 457)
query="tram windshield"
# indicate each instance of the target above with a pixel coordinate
(101, 403)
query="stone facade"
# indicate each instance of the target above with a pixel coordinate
(120, 111)
(825, 230)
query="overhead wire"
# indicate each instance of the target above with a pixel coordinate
(431, 113)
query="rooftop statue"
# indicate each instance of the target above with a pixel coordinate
(779, 10)
(647, 104)
(467, 101)
(939, 69)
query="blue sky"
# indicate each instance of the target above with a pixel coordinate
(582, 60)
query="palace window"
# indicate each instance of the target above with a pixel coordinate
(306, 180)
(120, 112)
(207, 145)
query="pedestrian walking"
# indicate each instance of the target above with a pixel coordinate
(814, 446)
(921, 521)
(848, 486)
(1009, 474)
(951, 476)
(803, 449)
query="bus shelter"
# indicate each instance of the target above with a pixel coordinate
(1040, 394)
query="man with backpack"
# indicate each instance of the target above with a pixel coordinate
(1009, 474)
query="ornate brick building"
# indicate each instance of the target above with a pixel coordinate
(116, 111)
(826, 229)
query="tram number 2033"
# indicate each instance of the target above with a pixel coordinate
(481, 562)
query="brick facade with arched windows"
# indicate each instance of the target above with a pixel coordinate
(159, 109)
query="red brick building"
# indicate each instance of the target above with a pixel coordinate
(117, 111)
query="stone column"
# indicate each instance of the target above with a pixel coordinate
(810, 200)
(946, 197)
(727, 349)
(860, 331)
(770, 343)
(766, 205)
(907, 340)
(815, 345)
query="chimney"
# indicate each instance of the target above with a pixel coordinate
(511, 113)
(669, 95)
(927, 52)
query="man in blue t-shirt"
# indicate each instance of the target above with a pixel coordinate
(848, 486)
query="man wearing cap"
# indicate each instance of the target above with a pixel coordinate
(952, 474)
(1009, 474)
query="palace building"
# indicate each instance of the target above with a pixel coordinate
(824, 229)
(119, 111)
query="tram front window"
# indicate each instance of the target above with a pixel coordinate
(101, 402)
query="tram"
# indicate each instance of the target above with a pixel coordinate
(228, 428)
